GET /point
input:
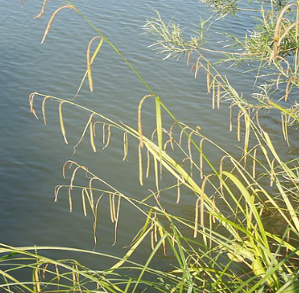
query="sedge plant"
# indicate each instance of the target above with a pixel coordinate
(233, 252)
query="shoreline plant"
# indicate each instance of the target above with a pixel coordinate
(233, 252)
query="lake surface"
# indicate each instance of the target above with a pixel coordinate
(32, 155)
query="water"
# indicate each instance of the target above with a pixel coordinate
(32, 155)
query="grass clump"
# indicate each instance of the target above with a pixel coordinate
(229, 252)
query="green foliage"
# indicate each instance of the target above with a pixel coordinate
(223, 7)
(227, 7)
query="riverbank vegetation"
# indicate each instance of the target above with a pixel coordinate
(228, 245)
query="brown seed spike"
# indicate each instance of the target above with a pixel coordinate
(165, 144)
(43, 9)
(69, 163)
(89, 62)
(196, 219)
(73, 177)
(213, 94)
(140, 165)
(198, 65)
(92, 137)
(44, 271)
(31, 100)
(208, 77)
(189, 146)
(70, 199)
(83, 201)
(37, 279)
(44, 109)
(61, 123)
(91, 200)
(239, 126)
(57, 188)
(286, 131)
(181, 135)
(178, 191)
(276, 38)
(116, 221)
(287, 90)
(112, 207)
(126, 145)
(148, 163)
(283, 125)
(193, 66)
(108, 137)
(139, 119)
(201, 159)
(104, 133)
(52, 18)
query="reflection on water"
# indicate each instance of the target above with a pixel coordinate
(32, 155)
